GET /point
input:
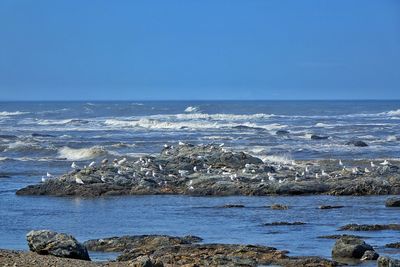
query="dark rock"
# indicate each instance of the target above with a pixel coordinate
(60, 245)
(370, 227)
(228, 206)
(339, 236)
(283, 223)
(282, 132)
(393, 202)
(279, 207)
(357, 143)
(370, 255)
(384, 261)
(318, 137)
(119, 244)
(393, 245)
(349, 247)
(326, 207)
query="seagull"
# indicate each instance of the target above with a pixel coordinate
(373, 164)
(74, 166)
(355, 170)
(366, 170)
(306, 170)
(160, 167)
(191, 188)
(385, 163)
(119, 172)
(340, 162)
(280, 181)
(190, 182)
(323, 173)
(166, 146)
(79, 181)
(316, 176)
(92, 164)
(270, 177)
(195, 168)
(103, 179)
(43, 179)
(122, 161)
(181, 143)
(49, 175)
(182, 172)
(104, 161)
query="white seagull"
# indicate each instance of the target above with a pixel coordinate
(92, 164)
(385, 163)
(122, 161)
(373, 164)
(340, 162)
(366, 170)
(79, 181)
(49, 175)
(74, 165)
(271, 177)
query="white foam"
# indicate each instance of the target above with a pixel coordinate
(12, 113)
(322, 125)
(283, 159)
(391, 138)
(81, 153)
(191, 109)
(393, 112)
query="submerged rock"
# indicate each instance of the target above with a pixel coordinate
(326, 207)
(357, 143)
(350, 247)
(370, 255)
(279, 207)
(318, 137)
(393, 245)
(393, 202)
(229, 206)
(57, 244)
(370, 227)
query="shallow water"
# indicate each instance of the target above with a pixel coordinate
(40, 137)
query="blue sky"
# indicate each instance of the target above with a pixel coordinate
(199, 49)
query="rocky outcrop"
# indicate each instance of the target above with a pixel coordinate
(393, 202)
(279, 207)
(185, 251)
(357, 143)
(370, 227)
(61, 245)
(393, 245)
(350, 247)
(212, 170)
(384, 261)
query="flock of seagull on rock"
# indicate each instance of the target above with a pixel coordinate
(298, 171)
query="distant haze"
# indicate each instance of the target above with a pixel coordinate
(191, 49)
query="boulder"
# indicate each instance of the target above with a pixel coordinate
(393, 202)
(350, 247)
(57, 244)
(327, 207)
(318, 137)
(357, 143)
(384, 261)
(370, 255)
(370, 227)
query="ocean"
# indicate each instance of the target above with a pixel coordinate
(41, 137)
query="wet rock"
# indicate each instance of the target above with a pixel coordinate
(370, 227)
(393, 202)
(318, 137)
(349, 247)
(283, 223)
(339, 236)
(279, 207)
(57, 244)
(357, 143)
(393, 245)
(119, 244)
(229, 206)
(326, 207)
(384, 261)
(282, 132)
(370, 255)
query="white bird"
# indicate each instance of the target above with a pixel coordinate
(195, 168)
(271, 177)
(280, 181)
(103, 179)
(153, 174)
(373, 164)
(182, 172)
(306, 170)
(49, 175)
(340, 162)
(119, 172)
(366, 170)
(316, 176)
(122, 161)
(262, 180)
(355, 170)
(190, 182)
(181, 143)
(221, 145)
(385, 163)
(43, 179)
(104, 161)
(74, 165)
(160, 167)
(92, 164)
(166, 146)
(191, 188)
(79, 181)
(323, 173)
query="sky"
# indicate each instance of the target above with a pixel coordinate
(199, 49)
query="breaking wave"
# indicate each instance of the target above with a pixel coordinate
(81, 153)
(12, 113)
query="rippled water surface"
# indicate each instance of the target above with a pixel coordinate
(40, 137)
